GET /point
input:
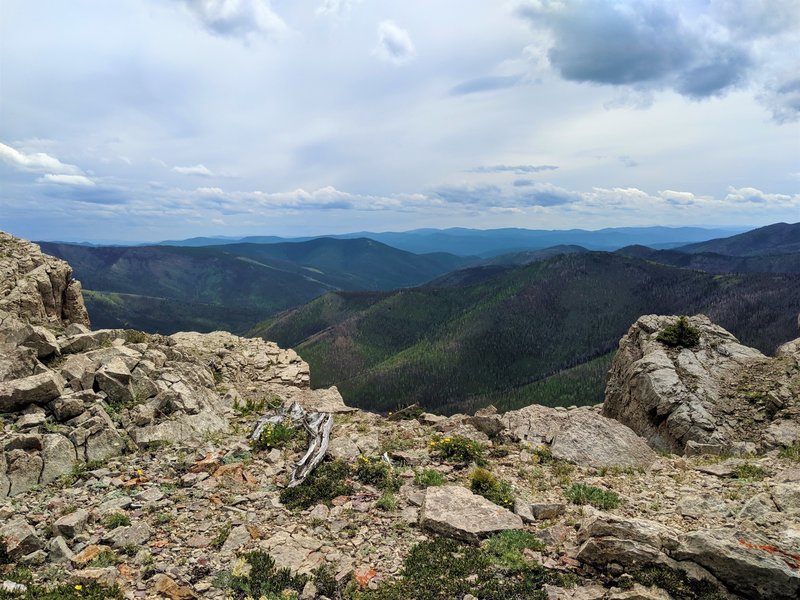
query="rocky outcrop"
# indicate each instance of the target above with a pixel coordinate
(580, 436)
(35, 288)
(79, 395)
(716, 397)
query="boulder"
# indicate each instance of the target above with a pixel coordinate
(456, 512)
(747, 566)
(34, 389)
(718, 394)
(71, 525)
(580, 436)
(20, 538)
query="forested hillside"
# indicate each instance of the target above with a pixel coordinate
(165, 289)
(548, 326)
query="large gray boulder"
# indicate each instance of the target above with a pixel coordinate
(34, 389)
(581, 436)
(746, 565)
(456, 512)
(719, 394)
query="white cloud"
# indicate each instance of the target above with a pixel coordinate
(76, 180)
(36, 161)
(198, 169)
(394, 44)
(237, 18)
(336, 8)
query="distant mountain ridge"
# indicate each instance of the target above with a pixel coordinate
(494, 242)
(164, 289)
(718, 263)
(779, 238)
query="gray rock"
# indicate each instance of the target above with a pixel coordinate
(22, 470)
(41, 340)
(131, 535)
(59, 551)
(580, 436)
(740, 563)
(677, 396)
(237, 538)
(35, 389)
(787, 498)
(20, 538)
(114, 378)
(456, 512)
(58, 457)
(71, 524)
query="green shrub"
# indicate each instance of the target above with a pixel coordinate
(429, 478)
(325, 581)
(326, 482)
(222, 536)
(133, 336)
(375, 471)
(406, 413)
(443, 569)
(274, 436)
(506, 547)
(680, 334)
(482, 482)
(263, 579)
(115, 520)
(386, 502)
(76, 589)
(105, 558)
(457, 449)
(581, 493)
(677, 584)
(749, 472)
(791, 452)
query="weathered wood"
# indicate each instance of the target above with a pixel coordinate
(317, 425)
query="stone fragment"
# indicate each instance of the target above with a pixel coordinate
(456, 512)
(20, 538)
(131, 535)
(59, 551)
(71, 524)
(168, 587)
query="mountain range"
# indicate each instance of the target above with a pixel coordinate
(550, 326)
(166, 289)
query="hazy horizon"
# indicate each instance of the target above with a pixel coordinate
(169, 119)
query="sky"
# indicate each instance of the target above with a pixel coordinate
(143, 120)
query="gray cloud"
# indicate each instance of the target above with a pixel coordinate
(485, 84)
(628, 161)
(523, 182)
(394, 44)
(237, 18)
(645, 44)
(517, 169)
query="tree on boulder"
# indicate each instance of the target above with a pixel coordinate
(679, 334)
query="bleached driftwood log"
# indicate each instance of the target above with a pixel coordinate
(318, 426)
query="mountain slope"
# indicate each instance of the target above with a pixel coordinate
(166, 289)
(778, 238)
(718, 263)
(458, 348)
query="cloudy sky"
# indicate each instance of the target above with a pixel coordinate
(154, 119)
